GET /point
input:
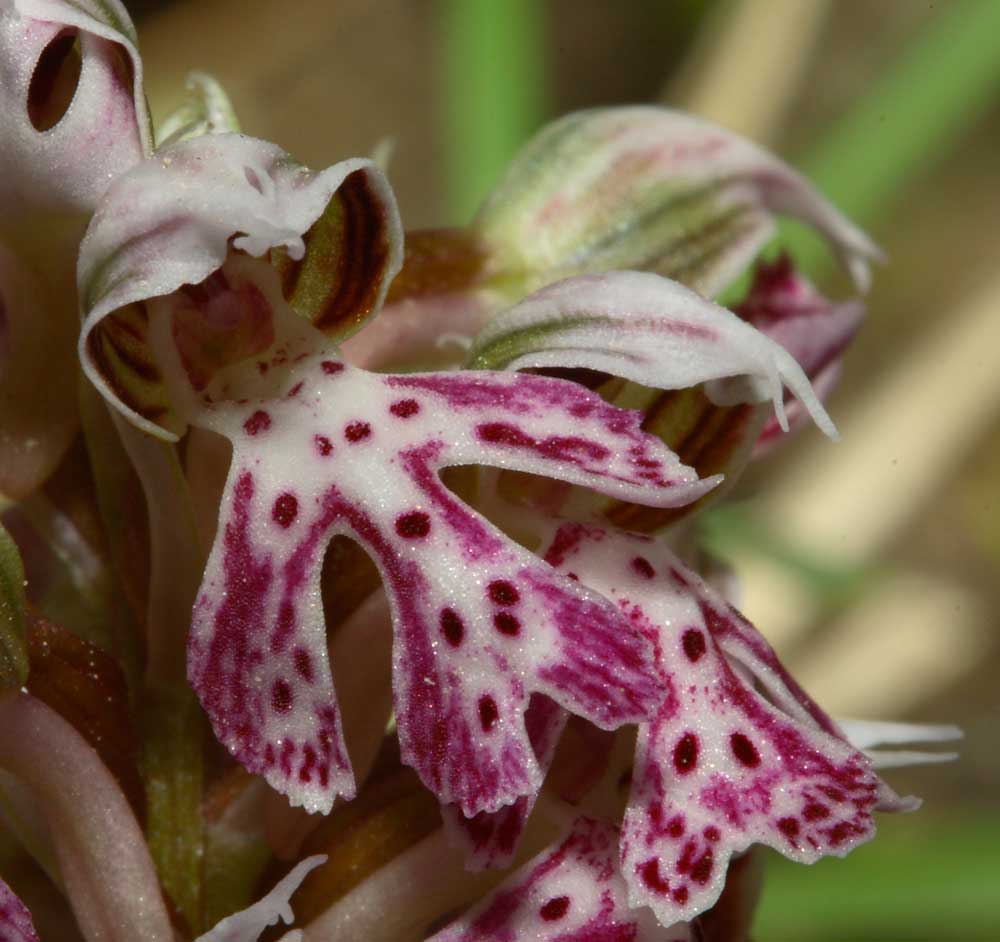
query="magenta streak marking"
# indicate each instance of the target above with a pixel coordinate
(434, 735)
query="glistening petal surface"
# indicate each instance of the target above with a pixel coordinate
(572, 892)
(480, 623)
(721, 767)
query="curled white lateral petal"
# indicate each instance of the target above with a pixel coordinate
(649, 330)
(650, 188)
(15, 920)
(572, 891)
(480, 623)
(334, 238)
(100, 849)
(74, 110)
(722, 766)
(275, 907)
(867, 735)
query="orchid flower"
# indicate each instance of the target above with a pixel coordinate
(230, 295)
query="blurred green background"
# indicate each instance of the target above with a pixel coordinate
(873, 564)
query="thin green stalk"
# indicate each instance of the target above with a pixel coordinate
(494, 91)
(913, 116)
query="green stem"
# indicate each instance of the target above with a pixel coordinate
(495, 91)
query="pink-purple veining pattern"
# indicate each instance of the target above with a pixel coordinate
(15, 920)
(490, 839)
(572, 892)
(784, 306)
(720, 767)
(480, 623)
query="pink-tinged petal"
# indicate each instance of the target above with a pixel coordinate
(787, 309)
(334, 239)
(570, 893)
(100, 848)
(480, 623)
(15, 920)
(74, 116)
(721, 767)
(649, 330)
(490, 839)
(649, 188)
(248, 925)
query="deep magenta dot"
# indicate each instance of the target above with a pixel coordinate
(789, 827)
(303, 664)
(650, 874)
(260, 421)
(694, 644)
(744, 750)
(295, 390)
(503, 592)
(452, 627)
(712, 833)
(323, 445)
(506, 624)
(686, 753)
(814, 811)
(643, 567)
(281, 696)
(331, 367)
(702, 868)
(356, 431)
(675, 826)
(404, 408)
(555, 908)
(413, 525)
(681, 895)
(285, 510)
(488, 713)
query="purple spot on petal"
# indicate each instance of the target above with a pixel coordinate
(814, 811)
(452, 627)
(413, 525)
(744, 750)
(303, 664)
(285, 510)
(331, 367)
(404, 408)
(281, 696)
(702, 868)
(554, 909)
(260, 421)
(681, 895)
(694, 644)
(651, 876)
(507, 624)
(503, 592)
(643, 567)
(323, 445)
(675, 826)
(712, 833)
(686, 753)
(789, 827)
(356, 431)
(488, 713)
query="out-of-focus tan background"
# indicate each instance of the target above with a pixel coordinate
(874, 564)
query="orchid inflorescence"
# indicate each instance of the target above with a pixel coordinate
(514, 422)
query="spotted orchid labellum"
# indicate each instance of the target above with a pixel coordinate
(440, 600)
